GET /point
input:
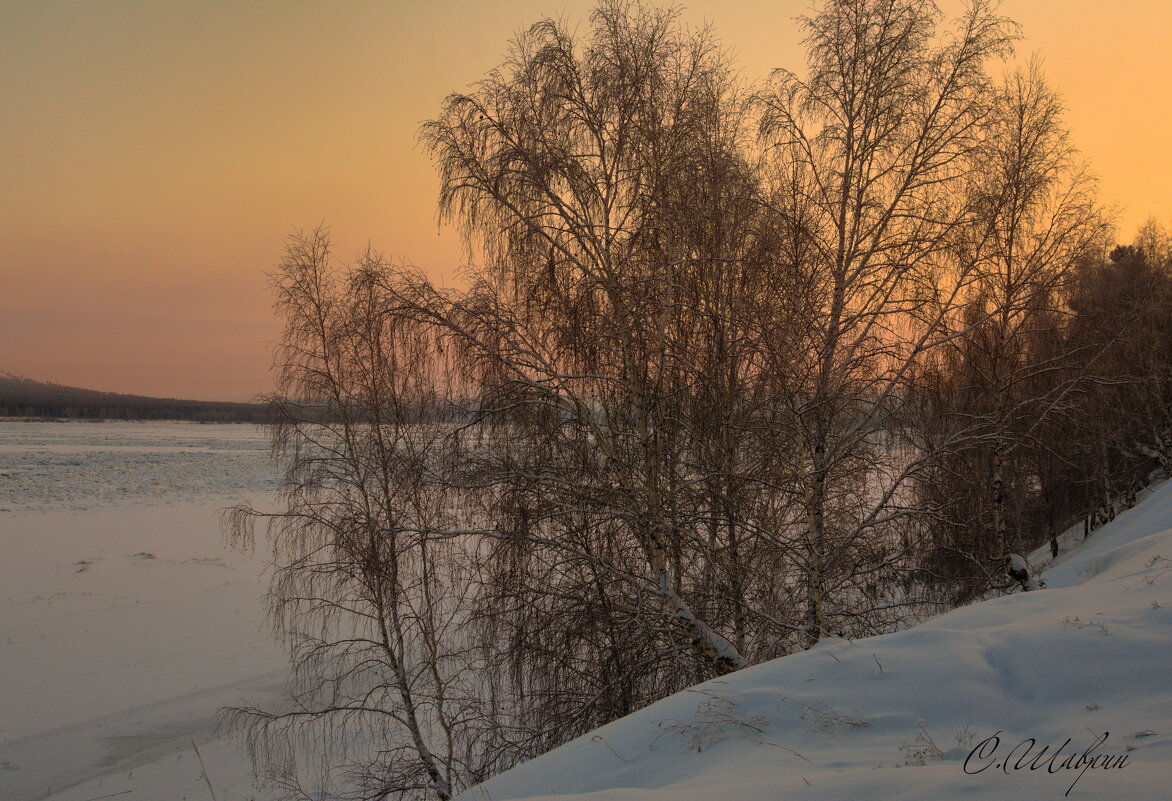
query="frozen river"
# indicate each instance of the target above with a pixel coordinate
(125, 621)
(84, 466)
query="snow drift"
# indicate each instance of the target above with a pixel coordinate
(1063, 692)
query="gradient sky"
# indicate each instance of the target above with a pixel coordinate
(155, 154)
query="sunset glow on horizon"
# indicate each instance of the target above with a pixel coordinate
(156, 155)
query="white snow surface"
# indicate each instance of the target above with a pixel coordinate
(896, 717)
(125, 621)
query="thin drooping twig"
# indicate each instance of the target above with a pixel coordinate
(203, 771)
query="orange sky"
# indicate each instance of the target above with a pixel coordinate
(155, 155)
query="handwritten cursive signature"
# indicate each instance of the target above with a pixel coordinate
(1026, 756)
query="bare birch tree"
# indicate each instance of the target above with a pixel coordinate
(871, 151)
(569, 166)
(369, 591)
(1035, 220)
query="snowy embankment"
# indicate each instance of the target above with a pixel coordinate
(125, 622)
(1034, 695)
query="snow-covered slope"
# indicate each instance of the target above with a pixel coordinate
(974, 704)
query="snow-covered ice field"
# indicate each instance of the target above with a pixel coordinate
(84, 466)
(125, 622)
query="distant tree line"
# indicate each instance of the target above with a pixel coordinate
(1071, 414)
(740, 370)
(26, 398)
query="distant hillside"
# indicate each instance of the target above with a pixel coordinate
(23, 397)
